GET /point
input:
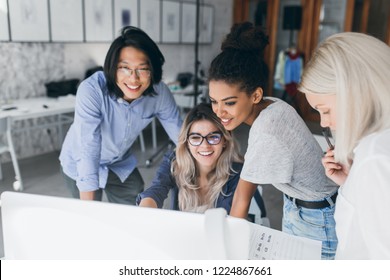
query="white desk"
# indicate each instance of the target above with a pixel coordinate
(60, 108)
(38, 107)
(42, 107)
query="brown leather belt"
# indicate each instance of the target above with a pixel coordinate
(313, 204)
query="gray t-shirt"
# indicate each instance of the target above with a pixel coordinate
(283, 152)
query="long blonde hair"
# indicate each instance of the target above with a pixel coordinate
(355, 67)
(184, 165)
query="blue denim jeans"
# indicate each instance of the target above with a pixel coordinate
(317, 224)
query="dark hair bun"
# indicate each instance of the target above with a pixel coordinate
(245, 37)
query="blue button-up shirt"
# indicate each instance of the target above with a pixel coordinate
(105, 127)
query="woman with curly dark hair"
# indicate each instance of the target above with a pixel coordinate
(281, 149)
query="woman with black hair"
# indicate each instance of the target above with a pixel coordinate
(112, 108)
(281, 149)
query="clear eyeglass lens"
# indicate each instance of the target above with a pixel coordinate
(213, 139)
(195, 140)
(144, 73)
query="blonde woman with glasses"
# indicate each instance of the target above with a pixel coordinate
(204, 170)
(112, 108)
(347, 81)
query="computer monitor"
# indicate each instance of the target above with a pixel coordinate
(47, 227)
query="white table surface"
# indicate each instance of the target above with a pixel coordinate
(38, 107)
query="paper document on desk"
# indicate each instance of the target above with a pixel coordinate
(270, 244)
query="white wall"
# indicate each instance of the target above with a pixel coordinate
(178, 57)
(26, 67)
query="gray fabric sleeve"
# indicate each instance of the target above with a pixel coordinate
(268, 161)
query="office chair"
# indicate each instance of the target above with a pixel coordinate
(5, 129)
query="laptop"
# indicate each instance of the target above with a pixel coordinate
(47, 227)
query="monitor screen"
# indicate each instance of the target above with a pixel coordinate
(47, 227)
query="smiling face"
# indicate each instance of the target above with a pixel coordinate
(233, 106)
(325, 104)
(205, 155)
(131, 83)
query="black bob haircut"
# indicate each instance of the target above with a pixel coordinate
(136, 38)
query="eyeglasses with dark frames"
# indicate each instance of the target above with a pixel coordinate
(213, 138)
(328, 134)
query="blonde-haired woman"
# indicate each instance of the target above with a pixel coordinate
(204, 169)
(348, 81)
